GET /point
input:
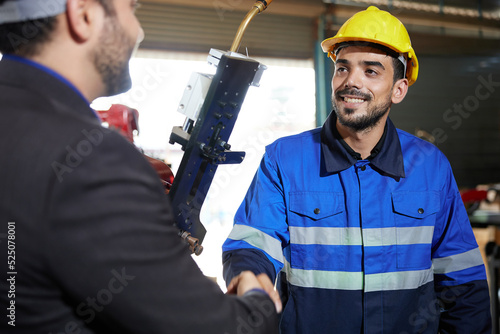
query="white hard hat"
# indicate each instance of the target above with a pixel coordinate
(12, 11)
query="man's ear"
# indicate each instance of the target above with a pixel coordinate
(82, 17)
(399, 90)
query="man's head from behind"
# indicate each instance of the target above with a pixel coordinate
(26, 24)
(22, 32)
(102, 33)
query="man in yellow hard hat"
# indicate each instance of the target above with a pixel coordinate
(361, 224)
(87, 242)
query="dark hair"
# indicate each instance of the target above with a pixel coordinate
(397, 65)
(25, 38)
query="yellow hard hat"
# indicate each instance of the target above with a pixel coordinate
(379, 27)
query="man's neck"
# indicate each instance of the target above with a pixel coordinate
(362, 142)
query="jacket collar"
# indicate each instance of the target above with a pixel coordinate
(337, 157)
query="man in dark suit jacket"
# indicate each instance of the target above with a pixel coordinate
(87, 242)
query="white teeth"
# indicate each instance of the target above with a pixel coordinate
(351, 100)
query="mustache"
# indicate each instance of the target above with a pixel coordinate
(352, 92)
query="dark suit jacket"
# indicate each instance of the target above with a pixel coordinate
(92, 244)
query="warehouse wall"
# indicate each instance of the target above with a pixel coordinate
(184, 28)
(456, 99)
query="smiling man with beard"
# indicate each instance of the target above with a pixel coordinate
(349, 96)
(87, 238)
(361, 225)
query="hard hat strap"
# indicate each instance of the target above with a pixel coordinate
(402, 59)
(12, 11)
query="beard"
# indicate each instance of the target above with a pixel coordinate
(111, 58)
(363, 123)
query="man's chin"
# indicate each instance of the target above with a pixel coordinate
(351, 115)
(120, 87)
(349, 111)
(125, 87)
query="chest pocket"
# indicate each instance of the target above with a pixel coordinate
(315, 205)
(416, 204)
(415, 217)
(314, 223)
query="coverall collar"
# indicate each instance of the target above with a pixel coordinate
(337, 158)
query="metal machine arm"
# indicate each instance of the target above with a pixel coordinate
(211, 105)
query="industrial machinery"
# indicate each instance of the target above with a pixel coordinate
(211, 104)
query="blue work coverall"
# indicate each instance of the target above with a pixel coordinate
(375, 246)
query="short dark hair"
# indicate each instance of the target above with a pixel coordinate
(397, 65)
(25, 38)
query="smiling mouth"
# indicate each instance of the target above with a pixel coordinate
(352, 100)
(352, 97)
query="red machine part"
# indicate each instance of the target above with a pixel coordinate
(473, 198)
(474, 195)
(125, 120)
(121, 118)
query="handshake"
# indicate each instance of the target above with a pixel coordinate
(247, 282)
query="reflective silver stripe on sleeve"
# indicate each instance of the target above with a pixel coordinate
(24, 10)
(457, 262)
(258, 239)
(352, 236)
(343, 280)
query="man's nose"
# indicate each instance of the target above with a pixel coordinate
(354, 79)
